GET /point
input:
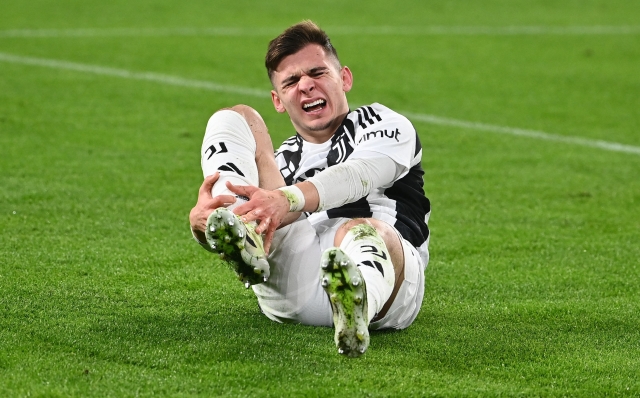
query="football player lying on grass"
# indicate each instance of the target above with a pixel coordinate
(332, 229)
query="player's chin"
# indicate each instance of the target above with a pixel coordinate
(319, 124)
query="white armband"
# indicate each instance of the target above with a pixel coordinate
(295, 197)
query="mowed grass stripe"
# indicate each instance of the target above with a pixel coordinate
(212, 86)
(335, 30)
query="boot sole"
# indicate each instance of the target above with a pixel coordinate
(226, 235)
(343, 282)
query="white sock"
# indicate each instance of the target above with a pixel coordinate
(367, 249)
(229, 147)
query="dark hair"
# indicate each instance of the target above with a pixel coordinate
(294, 39)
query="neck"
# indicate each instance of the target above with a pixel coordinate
(321, 135)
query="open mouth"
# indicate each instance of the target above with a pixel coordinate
(315, 105)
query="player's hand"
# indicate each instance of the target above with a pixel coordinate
(267, 208)
(206, 205)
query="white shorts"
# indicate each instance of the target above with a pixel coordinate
(293, 292)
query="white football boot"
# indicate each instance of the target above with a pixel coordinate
(343, 282)
(239, 245)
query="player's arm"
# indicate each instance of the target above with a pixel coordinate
(354, 179)
(276, 208)
(376, 161)
(384, 152)
(332, 187)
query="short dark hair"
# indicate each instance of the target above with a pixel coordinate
(294, 39)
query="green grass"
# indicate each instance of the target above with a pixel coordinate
(534, 283)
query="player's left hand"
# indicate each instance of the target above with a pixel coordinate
(267, 208)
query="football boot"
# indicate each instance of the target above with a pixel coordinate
(239, 245)
(343, 282)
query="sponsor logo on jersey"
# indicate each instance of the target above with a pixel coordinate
(380, 134)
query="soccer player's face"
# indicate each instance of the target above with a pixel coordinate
(311, 87)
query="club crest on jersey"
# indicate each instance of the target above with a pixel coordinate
(380, 134)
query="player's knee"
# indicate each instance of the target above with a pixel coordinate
(353, 222)
(344, 228)
(386, 231)
(257, 126)
(252, 116)
(241, 109)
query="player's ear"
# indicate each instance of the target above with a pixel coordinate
(347, 79)
(276, 102)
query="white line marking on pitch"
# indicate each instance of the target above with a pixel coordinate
(211, 86)
(442, 121)
(150, 76)
(336, 30)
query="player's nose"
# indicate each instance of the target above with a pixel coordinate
(306, 84)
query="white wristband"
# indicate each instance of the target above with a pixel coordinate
(295, 197)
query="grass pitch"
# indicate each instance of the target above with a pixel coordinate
(533, 288)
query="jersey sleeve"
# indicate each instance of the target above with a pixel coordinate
(379, 130)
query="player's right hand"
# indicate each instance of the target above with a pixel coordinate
(206, 205)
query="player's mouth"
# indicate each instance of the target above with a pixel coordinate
(314, 106)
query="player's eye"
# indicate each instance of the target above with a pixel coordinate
(289, 83)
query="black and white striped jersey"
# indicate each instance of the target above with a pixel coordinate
(369, 129)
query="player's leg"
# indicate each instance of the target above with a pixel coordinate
(405, 302)
(238, 146)
(376, 248)
(359, 274)
(293, 293)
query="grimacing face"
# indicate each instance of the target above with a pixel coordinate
(311, 87)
